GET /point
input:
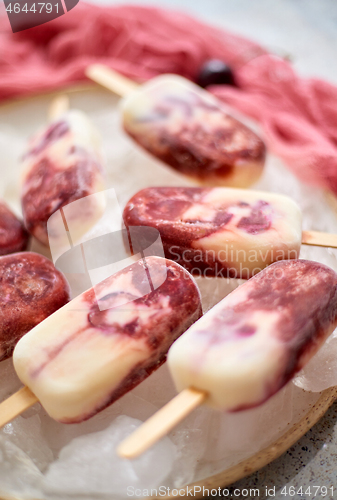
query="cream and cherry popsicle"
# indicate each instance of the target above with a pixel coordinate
(187, 128)
(105, 341)
(247, 347)
(13, 235)
(31, 289)
(223, 232)
(62, 164)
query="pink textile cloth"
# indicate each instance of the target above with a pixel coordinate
(298, 116)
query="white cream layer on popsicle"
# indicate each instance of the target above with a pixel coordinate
(82, 359)
(188, 128)
(250, 345)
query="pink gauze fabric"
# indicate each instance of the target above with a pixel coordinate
(298, 116)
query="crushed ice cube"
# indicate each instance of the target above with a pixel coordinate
(243, 433)
(321, 371)
(8, 374)
(19, 476)
(89, 465)
(59, 435)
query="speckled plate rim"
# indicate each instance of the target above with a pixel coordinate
(259, 459)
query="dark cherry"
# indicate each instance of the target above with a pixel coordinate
(215, 72)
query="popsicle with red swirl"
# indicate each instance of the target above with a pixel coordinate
(62, 164)
(107, 340)
(221, 232)
(13, 235)
(31, 289)
(252, 343)
(187, 128)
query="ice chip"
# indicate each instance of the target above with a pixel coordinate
(321, 371)
(25, 433)
(88, 465)
(19, 476)
(82, 359)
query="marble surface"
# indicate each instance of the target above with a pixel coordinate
(307, 31)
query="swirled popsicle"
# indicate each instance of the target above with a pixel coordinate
(31, 289)
(254, 341)
(222, 232)
(62, 164)
(107, 340)
(247, 347)
(189, 129)
(13, 235)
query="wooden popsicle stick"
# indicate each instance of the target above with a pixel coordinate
(16, 404)
(316, 238)
(58, 106)
(117, 83)
(160, 424)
